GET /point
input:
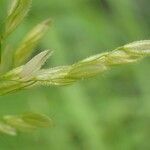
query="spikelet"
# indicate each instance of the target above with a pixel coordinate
(27, 122)
(18, 10)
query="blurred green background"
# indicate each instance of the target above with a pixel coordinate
(108, 112)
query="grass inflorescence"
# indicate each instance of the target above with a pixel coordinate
(25, 73)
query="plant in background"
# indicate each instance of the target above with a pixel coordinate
(20, 73)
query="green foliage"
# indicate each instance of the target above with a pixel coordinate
(31, 73)
(16, 13)
(84, 125)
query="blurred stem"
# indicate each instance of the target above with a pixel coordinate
(3, 9)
